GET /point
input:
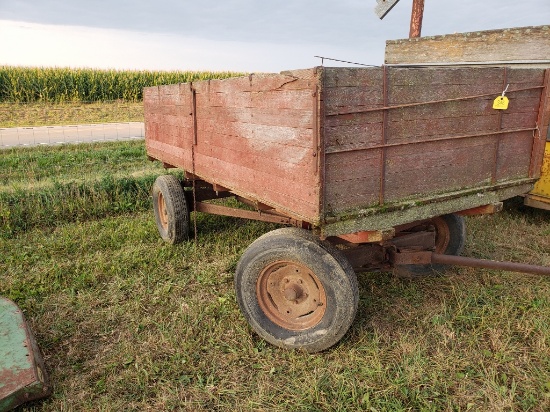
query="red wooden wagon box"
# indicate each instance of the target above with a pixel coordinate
(357, 149)
(373, 166)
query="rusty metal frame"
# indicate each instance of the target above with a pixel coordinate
(263, 216)
(319, 123)
(383, 145)
(498, 140)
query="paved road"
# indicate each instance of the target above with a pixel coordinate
(51, 135)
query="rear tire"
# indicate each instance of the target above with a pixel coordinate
(171, 209)
(450, 238)
(295, 291)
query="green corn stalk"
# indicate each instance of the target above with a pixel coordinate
(57, 85)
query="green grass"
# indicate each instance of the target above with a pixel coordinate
(47, 186)
(127, 322)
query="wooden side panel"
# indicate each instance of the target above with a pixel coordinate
(255, 135)
(523, 44)
(169, 123)
(440, 133)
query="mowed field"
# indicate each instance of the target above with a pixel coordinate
(128, 322)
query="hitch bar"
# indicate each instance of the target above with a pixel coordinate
(426, 257)
(490, 264)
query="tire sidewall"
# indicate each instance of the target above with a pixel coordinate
(177, 226)
(338, 286)
(457, 230)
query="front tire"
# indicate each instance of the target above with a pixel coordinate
(295, 291)
(171, 209)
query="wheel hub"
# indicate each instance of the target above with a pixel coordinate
(291, 295)
(442, 235)
(163, 213)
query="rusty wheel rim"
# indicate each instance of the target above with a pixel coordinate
(442, 235)
(163, 213)
(291, 295)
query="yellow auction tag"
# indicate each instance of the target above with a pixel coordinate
(501, 103)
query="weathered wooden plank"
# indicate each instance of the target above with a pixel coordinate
(275, 149)
(348, 119)
(349, 196)
(519, 120)
(261, 134)
(352, 165)
(352, 179)
(300, 200)
(273, 99)
(412, 94)
(150, 96)
(169, 153)
(306, 74)
(352, 77)
(438, 167)
(523, 43)
(353, 136)
(443, 76)
(343, 99)
(252, 115)
(435, 120)
(429, 129)
(291, 163)
(519, 76)
(514, 156)
(255, 83)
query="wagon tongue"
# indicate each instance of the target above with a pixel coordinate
(426, 257)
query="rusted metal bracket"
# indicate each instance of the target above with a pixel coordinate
(366, 257)
(416, 257)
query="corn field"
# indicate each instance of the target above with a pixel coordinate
(59, 85)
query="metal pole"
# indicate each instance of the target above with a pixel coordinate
(490, 264)
(416, 18)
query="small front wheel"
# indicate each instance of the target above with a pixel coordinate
(296, 291)
(171, 209)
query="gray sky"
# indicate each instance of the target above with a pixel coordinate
(261, 35)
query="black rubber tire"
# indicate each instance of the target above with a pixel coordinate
(171, 209)
(455, 226)
(330, 268)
